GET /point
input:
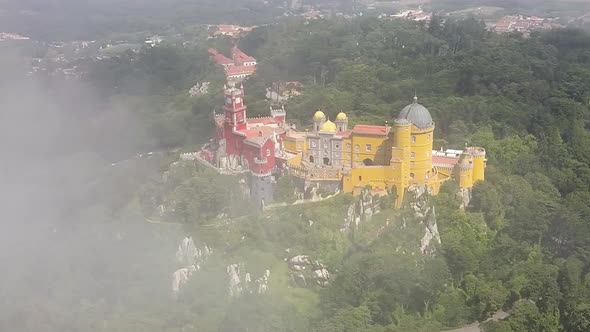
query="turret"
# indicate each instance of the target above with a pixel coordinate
(341, 122)
(464, 171)
(400, 157)
(319, 118)
(234, 107)
(421, 141)
(479, 162)
(278, 113)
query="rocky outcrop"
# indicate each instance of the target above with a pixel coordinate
(235, 282)
(188, 254)
(360, 211)
(192, 258)
(305, 272)
(238, 285)
(181, 277)
(425, 213)
(464, 197)
(430, 233)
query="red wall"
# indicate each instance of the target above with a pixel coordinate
(250, 153)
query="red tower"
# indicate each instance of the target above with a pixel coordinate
(234, 108)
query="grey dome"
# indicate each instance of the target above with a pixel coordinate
(417, 114)
(400, 121)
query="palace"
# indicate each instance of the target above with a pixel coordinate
(391, 158)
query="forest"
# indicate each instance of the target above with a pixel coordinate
(520, 246)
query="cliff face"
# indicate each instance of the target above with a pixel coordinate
(306, 272)
(425, 213)
(192, 259)
(240, 282)
(360, 211)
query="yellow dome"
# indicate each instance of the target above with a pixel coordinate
(328, 127)
(319, 115)
(341, 116)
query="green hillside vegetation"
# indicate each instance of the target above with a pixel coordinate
(522, 244)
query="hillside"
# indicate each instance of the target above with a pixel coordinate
(103, 238)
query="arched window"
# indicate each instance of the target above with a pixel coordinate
(412, 154)
(268, 152)
(411, 175)
(357, 147)
(413, 139)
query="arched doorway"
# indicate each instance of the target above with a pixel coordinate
(326, 161)
(311, 159)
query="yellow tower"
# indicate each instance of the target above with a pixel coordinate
(400, 157)
(420, 157)
(464, 171)
(421, 141)
(479, 163)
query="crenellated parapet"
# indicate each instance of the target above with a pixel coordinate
(476, 152)
(313, 173)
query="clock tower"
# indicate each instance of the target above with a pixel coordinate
(234, 108)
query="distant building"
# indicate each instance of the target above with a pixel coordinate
(11, 36)
(154, 40)
(234, 31)
(238, 67)
(414, 15)
(523, 24)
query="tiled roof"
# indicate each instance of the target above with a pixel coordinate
(256, 141)
(369, 130)
(240, 56)
(444, 161)
(344, 133)
(221, 59)
(295, 134)
(262, 131)
(262, 120)
(239, 70)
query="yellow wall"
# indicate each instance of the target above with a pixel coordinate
(347, 152)
(295, 161)
(294, 144)
(375, 176)
(478, 168)
(465, 177)
(400, 153)
(421, 154)
(375, 154)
